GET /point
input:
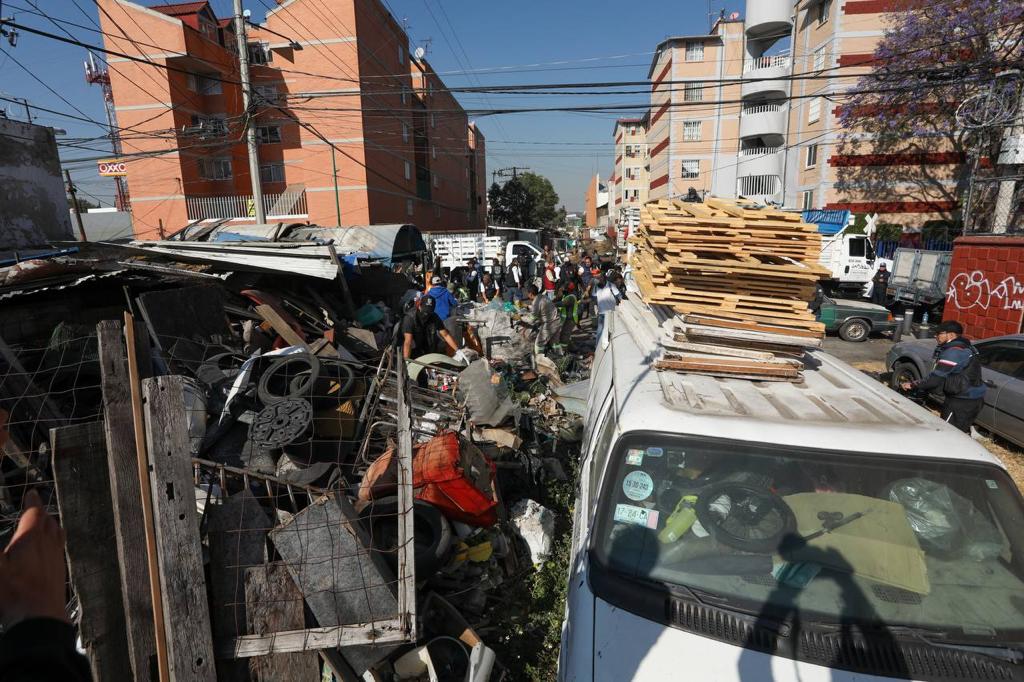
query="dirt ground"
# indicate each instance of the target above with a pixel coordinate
(869, 357)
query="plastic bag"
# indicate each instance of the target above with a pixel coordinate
(945, 523)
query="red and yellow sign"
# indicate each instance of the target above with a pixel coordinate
(112, 167)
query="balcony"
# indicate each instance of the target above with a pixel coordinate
(288, 204)
(768, 17)
(768, 76)
(763, 188)
(760, 161)
(766, 121)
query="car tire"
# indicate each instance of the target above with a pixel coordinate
(855, 330)
(901, 372)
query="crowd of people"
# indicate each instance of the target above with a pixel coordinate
(559, 294)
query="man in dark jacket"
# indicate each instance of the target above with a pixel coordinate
(958, 373)
(879, 284)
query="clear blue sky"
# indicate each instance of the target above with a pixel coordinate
(555, 41)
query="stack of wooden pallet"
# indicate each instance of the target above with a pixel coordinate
(734, 349)
(733, 260)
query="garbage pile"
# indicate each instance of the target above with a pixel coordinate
(290, 494)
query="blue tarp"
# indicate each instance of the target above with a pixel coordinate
(828, 221)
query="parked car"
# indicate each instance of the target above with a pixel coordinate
(854, 320)
(1002, 359)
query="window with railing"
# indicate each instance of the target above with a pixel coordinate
(772, 62)
(691, 131)
(694, 50)
(750, 109)
(758, 150)
(693, 92)
(691, 168)
(758, 185)
(279, 205)
(268, 134)
(215, 169)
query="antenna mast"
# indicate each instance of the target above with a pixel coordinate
(98, 75)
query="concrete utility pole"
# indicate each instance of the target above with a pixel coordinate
(1011, 157)
(74, 206)
(250, 131)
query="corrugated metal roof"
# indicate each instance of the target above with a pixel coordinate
(297, 258)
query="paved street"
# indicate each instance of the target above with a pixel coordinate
(868, 355)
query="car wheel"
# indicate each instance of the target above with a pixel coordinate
(903, 372)
(854, 330)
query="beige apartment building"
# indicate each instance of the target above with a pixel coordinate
(629, 183)
(743, 110)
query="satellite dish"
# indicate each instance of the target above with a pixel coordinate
(734, 16)
(419, 53)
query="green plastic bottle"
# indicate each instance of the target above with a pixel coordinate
(680, 521)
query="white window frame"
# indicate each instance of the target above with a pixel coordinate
(811, 156)
(694, 50)
(814, 110)
(807, 200)
(819, 58)
(268, 134)
(272, 172)
(692, 131)
(824, 11)
(215, 168)
(693, 92)
(259, 52)
(408, 171)
(405, 131)
(690, 174)
(409, 207)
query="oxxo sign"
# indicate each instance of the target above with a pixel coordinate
(112, 167)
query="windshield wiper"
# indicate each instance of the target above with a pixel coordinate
(937, 638)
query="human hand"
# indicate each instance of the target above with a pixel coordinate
(32, 567)
(906, 385)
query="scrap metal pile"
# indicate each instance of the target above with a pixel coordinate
(256, 486)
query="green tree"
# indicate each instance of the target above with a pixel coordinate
(544, 200)
(527, 201)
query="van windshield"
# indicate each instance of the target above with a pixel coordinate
(828, 537)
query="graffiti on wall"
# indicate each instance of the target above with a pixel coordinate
(974, 290)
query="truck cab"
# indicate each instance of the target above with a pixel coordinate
(734, 530)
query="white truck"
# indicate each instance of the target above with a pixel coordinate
(455, 248)
(829, 531)
(849, 257)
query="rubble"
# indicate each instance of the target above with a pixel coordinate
(276, 469)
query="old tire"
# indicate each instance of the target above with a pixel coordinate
(855, 330)
(432, 531)
(903, 372)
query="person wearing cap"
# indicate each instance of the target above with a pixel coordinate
(547, 320)
(879, 284)
(489, 288)
(472, 276)
(445, 304)
(514, 280)
(957, 373)
(423, 331)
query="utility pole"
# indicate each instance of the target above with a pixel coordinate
(511, 171)
(95, 75)
(250, 131)
(1011, 157)
(74, 206)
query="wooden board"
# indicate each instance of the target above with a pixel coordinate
(274, 604)
(83, 497)
(186, 612)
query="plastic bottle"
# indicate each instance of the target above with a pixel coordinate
(680, 521)
(924, 318)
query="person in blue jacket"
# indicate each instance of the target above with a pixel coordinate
(958, 373)
(445, 304)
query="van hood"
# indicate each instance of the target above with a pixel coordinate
(628, 648)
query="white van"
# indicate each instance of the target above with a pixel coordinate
(743, 531)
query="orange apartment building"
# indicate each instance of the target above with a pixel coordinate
(727, 116)
(629, 182)
(595, 212)
(330, 80)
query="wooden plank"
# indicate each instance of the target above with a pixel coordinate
(707, 321)
(378, 633)
(83, 497)
(129, 522)
(713, 349)
(186, 614)
(273, 604)
(283, 329)
(237, 535)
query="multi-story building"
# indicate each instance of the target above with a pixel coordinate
(746, 110)
(629, 183)
(352, 128)
(595, 212)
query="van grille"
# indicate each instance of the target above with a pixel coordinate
(870, 654)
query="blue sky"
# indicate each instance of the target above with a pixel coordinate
(557, 41)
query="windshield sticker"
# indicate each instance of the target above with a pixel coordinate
(634, 456)
(991, 484)
(638, 485)
(655, 452)
(638, 516)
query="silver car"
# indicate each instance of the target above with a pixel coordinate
(1002, 359)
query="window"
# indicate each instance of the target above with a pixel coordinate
(807, 200)
(210, 125)
(215, 169)
(436, 181)
(408, 171)
(433, 152)
(208, 29)
(814, 110)
(267, 93)
(272, 172)
(632, 172)
(408, 207)
(691, 131)
(632, 130)
(812, 155)
(691, 168)
(433, 120)
(694, 50)
(824, 10)
(629, 151)
(268, 134)
(819, 58)
(405, 132)
(758, 185)
(1005, 357)
(405, 95)
(204, 85)
(693, 92)
(259, 53)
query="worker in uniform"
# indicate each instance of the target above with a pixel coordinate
(548, 323)
(489, 288)
(879, 285)
(958, 373)
(515, 278)
(423, 331)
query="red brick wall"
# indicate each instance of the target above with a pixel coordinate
(986, 286)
